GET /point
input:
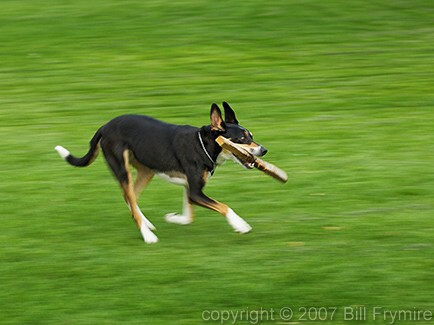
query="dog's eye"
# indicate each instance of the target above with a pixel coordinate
(246, 135)
(245, 140)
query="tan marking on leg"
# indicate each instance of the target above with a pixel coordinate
(205, 176)
(237, 223)
(212, 204)
(129, 194)
(220, 208)
(144, 176)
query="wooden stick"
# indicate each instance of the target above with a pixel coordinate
(246, 156)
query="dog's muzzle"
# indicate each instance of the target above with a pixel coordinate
(263, 151)
(258, 151)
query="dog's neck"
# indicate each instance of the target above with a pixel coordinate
(204, 149)
(210, 148)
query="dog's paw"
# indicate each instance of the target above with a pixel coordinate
(178, 219)
(148, 236)
(238, 223)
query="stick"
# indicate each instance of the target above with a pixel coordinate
(260, 164)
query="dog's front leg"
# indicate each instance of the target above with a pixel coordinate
(237, 223)
(187, 212)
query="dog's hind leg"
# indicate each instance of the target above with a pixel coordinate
(144, 224)
(144, 176)
(119, 163)
(187, 212)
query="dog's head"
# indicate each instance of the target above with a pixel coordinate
(230, 129)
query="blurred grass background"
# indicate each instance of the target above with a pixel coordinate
(340, 92)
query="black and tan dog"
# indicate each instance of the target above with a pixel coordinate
(181, 154)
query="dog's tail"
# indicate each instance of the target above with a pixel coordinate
(88, 158)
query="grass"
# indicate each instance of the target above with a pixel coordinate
(339, 92)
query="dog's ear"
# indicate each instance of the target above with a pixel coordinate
(229, 114)
(216, 118)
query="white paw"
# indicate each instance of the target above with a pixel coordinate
(148, 236)
(238, 223)
(178, 219)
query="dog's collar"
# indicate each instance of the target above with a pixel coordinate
(206, 152)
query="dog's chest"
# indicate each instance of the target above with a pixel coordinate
(179, 178)
(174, 178)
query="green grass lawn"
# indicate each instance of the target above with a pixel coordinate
(340, 92)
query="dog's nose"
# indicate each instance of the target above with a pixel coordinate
(263, 151)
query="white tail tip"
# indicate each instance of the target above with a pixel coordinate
(62, 151)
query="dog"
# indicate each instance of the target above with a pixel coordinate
(181, 154)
